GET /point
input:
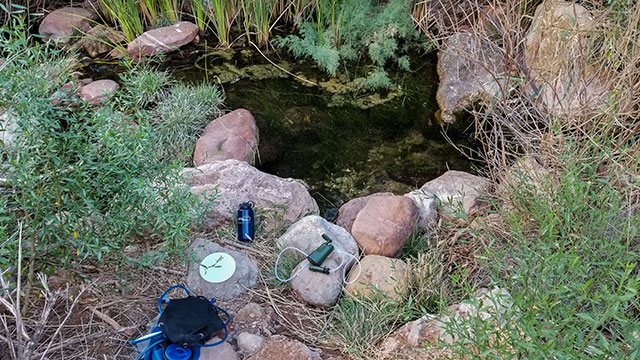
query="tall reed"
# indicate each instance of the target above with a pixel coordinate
(170, 9)
(125, 15)
(258, 15)
(199, 12)
(149, 9)
(222, 14)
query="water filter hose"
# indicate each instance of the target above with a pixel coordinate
(343, 264)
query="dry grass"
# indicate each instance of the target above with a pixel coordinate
(543, 135)
(86, 315)
(522, 116)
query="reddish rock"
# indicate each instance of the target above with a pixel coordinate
(279, 347)
(63, 23)
(254, 319)
(232, 136)
(101, 39)
(348, 212)
(69, 90)
(98, 91)
(163, 40)
(384, 224)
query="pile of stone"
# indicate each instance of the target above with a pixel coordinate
(69, 24)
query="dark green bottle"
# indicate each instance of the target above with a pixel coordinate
(319, 255)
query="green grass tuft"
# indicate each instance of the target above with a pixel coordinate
(181, 116)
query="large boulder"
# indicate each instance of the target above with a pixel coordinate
(64, 23)
(431, 331)
(384, 224)
(98, 91)
(163, 40)
(306, 235)
(279, 347)
(233, 182)
(100, 40)
(453, 191)
(469, 69)
(379, 276)
(318, 289)
(231, 136)
(349, 211)
(244, 277)
(556, 54)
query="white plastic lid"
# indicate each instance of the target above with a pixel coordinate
(217, 267)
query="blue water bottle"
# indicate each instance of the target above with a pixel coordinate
(246, 222)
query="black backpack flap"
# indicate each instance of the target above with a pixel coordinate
(189, 321)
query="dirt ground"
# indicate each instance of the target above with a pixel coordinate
(93, 312)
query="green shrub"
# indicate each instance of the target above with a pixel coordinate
(144, 85)
(81, 181)
(347, 30)
(181, 116)
(358, 325)
(570, 264)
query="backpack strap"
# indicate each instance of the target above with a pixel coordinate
(162, 297)
(226, 332)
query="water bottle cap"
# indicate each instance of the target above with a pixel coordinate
(175, 352)
(247, 205)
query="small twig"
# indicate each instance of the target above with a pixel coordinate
(170, 271)
(73, 305)
(109, 320)
(77, 339)
(243, 247)
(18, 314)
(281, 68)
(7, 339)
(158, 268)
(51, 299)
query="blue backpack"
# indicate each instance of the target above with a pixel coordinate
(184, 326)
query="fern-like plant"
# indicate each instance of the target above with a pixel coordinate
(348, 30)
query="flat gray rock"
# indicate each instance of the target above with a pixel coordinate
(318, 289)
(245, 276)
(306, 235)
(233, 182)
(454, 191)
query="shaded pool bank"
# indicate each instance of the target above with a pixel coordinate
(340, 149)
